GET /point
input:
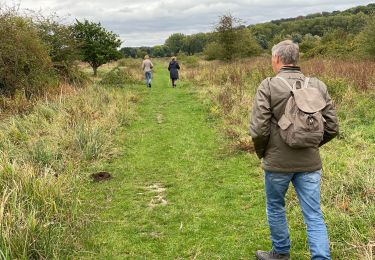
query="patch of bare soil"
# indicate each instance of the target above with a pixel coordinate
(159, 199)
(159, 118)
(101, 176)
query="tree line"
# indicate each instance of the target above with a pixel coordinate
(339, 34)
(229, 39)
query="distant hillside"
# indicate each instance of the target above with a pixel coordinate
(337, 34)
(351, 21)
(369, 9)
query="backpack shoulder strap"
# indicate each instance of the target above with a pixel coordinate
(306, 83)
(286, 82)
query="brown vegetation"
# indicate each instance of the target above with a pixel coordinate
(359, 73)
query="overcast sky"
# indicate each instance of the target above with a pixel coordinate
(150, 22)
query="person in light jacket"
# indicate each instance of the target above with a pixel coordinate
(173, 71)
(147, 67)
(283, 164)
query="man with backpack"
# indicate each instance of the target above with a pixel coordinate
(292, 117)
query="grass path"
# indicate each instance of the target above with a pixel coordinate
(176, 192)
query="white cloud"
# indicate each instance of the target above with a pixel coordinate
(150, 22)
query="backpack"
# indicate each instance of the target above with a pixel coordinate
(302, 124)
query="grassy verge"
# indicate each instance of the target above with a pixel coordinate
(44, 160)
(348, 187)
(176, 192)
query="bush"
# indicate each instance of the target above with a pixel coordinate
(25, 65)
(189, 61)
(246, 45)
(337, 44)
(309, 42)
(213, 51)
(367, 38)
(117, 77)
(71, 74)
(337, 88)
(122, 62)
(62, 47)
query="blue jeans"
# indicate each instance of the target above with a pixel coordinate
(307, 186)
(148, 76)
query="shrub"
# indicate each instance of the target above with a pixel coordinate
(367, 38)
(62, 47)
(213, 51)
(117, 77)
(71, 74)
(337, 87)
(122, 62)
(246, 45)
(189, 61)
(309, 42)
(25, 65)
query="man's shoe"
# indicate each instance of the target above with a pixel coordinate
(264, 255)
(149, 85)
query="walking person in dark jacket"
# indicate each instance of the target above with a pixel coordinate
(173, 71)
(284, 164)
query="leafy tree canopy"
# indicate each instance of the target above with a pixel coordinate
(175, 42)
(98, 46)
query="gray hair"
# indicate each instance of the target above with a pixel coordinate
(287, 51)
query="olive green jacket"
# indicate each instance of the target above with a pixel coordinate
(270, 101)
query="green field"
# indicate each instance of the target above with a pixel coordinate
(176, 192)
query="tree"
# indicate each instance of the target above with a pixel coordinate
(62, 47)
(246, 45)
(175, 42)
(236, 40)
(368, 38)
(129, 52)
(213, 51)
(160, 51)
(296, 37)
(60, 41)
(262, 41)
(227, 34)
(309, 42)
(141, 53)
(98, 46)
(194, 43)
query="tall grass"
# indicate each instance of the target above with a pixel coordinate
(132, 68)
(360, 74)
(43, 161)
(348, 188)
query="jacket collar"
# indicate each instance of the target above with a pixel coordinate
(290, 69)
(291, 72)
